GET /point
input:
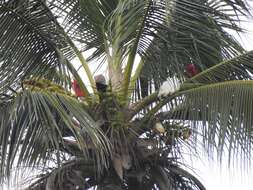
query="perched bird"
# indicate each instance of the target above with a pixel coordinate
(77, 89)
(191, 70)
(167, 88)
(100, 83)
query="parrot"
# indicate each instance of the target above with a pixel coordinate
(191, 70)
(77, 89)
(100, 84)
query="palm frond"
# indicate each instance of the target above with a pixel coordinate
(187, 179)
(182, 31)
(35, 124)
(196, 34)
(174, 177)
(78, 174)
(238, 68)
(219, 112)
(73, 174)
(83, 21)
(30, 43)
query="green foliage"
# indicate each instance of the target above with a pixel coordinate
(30, 43)
(34, 126)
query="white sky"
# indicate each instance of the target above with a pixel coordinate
(222, 178)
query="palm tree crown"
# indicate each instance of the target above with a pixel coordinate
(175, 78)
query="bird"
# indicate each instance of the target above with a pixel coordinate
(78, 91)
(100, 83)
(191, 70)
(167, 88)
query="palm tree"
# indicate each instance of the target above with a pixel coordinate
(176, 78)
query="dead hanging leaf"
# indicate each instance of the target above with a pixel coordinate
(138, 174)
(186, 134)
(118, 165)
(126, 161)
(159, 128)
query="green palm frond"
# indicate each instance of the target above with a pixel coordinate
(84, 20)
(30, 43)
(195, 35)
(238, 68)
(169, 34)
(35, 123)
(221, 112)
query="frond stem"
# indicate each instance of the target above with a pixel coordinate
(131, 58)
(138, 106)
(84, 64)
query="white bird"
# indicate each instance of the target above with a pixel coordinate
(168, 88)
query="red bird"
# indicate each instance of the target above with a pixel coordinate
(77, 89)
(191, 70)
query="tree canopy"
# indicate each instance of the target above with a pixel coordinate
(175, 78)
